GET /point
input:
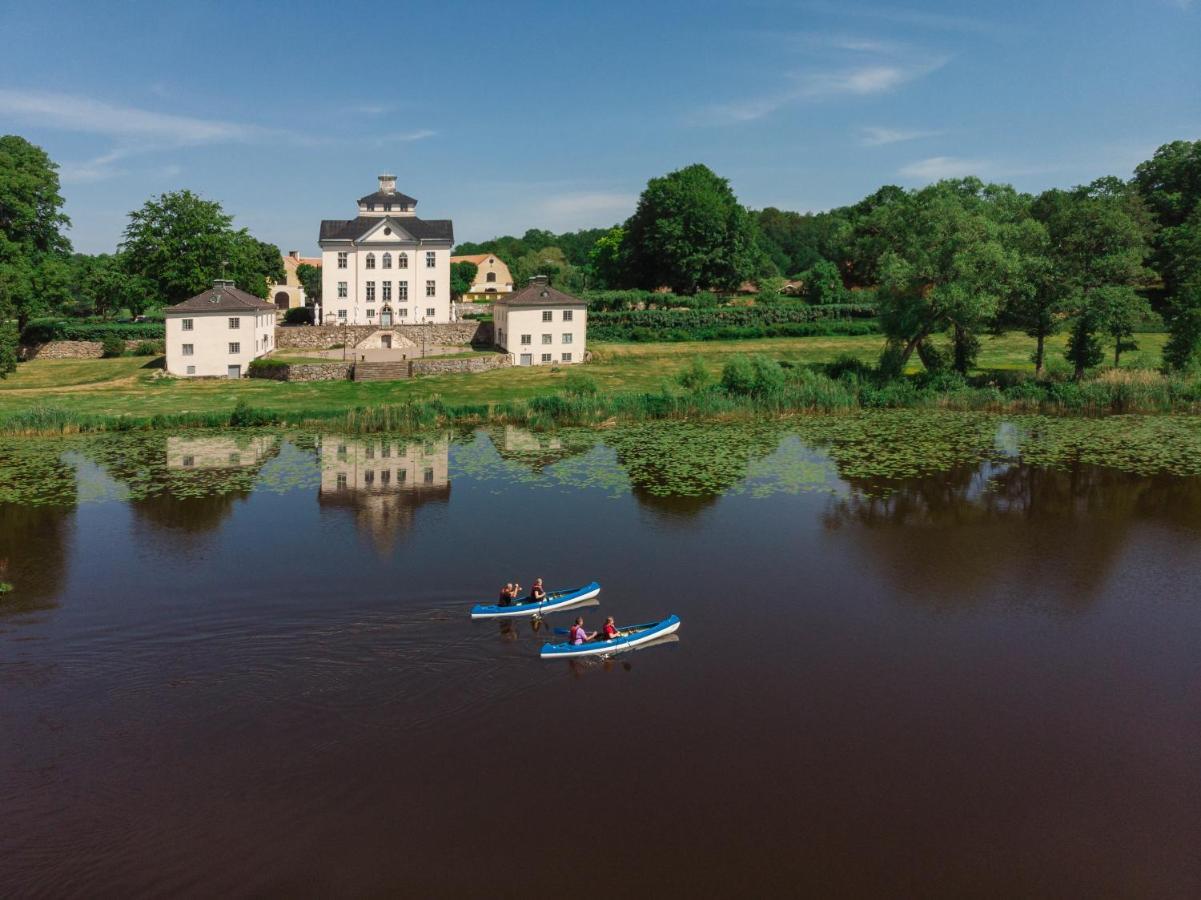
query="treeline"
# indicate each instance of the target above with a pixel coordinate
(947, 263)
(172, 248)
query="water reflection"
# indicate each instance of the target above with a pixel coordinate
(382, 481)
(35, 545)
(536, 450)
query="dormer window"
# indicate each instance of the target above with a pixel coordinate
(387, 207)
(370, 207)
(370, 262)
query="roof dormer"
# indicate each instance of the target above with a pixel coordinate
(387, 201)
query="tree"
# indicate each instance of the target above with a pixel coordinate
(462, 277)
(310, 279)
(1170, 185)
(9, 339)
(1119, 309)
(549, 261)
(606, 259)
(179, 243)
(689, 232)
(823, 283)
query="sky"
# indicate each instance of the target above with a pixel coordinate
(554, 115)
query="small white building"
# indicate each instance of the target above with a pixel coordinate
(386, 266)
(539, 325)
(217, 333)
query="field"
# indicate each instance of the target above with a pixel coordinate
(131, 386)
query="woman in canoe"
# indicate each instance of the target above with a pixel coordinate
(577, 634)
(610, 630)
(506, 596)
(537, 592)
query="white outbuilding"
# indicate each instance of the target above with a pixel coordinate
(539, 325)
(217, 333)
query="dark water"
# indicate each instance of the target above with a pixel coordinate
(239, 667)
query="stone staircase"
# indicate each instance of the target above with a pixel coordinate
(381, 371)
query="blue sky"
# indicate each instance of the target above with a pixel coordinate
(554, 114)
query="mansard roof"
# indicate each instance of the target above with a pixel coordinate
(222, 297)
(353, 229)
(386, 197)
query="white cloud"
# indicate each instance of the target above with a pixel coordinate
(936, 168)
(405, 137)
(875, 136)
(588, 203)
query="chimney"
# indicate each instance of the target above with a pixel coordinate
(219, 283)
(539, 279)
(295, 254)
(387, 184)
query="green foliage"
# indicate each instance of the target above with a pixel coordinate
(695, 377)
(753, 376)
(1183, 350)
(580, 384)
(723, 323)
(8, 349)
(149, 348)
(40, 331)
(310, 279)
(112, 345)
(606, 259)
(246, 416)
(823, 284)
(1084, 349)
(689, 232)
(299, 315)
(265, 364)
(462, 276)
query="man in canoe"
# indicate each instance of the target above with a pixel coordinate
(506, 596)
(610, 630)
(537, 592)
(577, 634)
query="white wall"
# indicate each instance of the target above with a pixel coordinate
(210, 336)
(357, 275)
(565, 337)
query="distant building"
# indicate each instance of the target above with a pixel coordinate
(217, 333)
(290, 294)
(539, 325)
(491, 276)
(386, 266)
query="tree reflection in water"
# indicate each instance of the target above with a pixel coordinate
(35, 545)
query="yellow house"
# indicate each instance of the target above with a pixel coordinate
(491, 277)
(290, 294)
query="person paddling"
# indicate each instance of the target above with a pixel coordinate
(577, 634)
(506, 596)
(610, 630)
(537, 592)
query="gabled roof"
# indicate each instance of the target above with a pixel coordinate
(353, 229)
(293, 262)
(394, 197)
(223, 297)
(539, 295)
(474, 259)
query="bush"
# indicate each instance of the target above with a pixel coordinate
(299, 315)
(265, 364)
(112, 345)
(245, 416)
(579, 384)
(847, 367)
(695, 377)
(8, 350)
(791, 319)
(754, 376)
(149, 348)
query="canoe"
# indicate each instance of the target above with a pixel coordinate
(523, 607)
(628, 637)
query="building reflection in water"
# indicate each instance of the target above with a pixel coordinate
(219, 451)
(383, 480)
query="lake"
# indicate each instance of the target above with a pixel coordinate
(935, 655)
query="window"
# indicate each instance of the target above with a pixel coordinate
(369, 477)
(188, 461)
(385, 476)
(341, 451)
(385, 451)
(187, 324)
(527, 339)
(546, 338)
(387, 207)
(567, 315)
(402, 261)
(387, 291)
(235, 459)
(387, 261)
(370, 207)
(430, 288)
(342, 255)
(371, 451)
(566, 357)
(370, 291)
(371, 314)
(235, 322)
(431, 259)
(402, 290)
(430, 313)
(235, 348)
(402, 475)
(546, 357)
(429, 475)
(191, 370)
(566, 337)
(342, 315)
(341, 288)
(548, 315)
(491, 276)
(341, 481)
(403, 312)
(370, 261)
(188, 349)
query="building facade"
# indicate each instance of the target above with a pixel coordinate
(539, 325)
(491, 276)
(290, 294)
(386, 266)
(218, 332)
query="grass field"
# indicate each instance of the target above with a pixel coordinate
(129, 386)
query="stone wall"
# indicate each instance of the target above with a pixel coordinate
(323, 337)
(480, 363)
(331, 371)
(73, 349)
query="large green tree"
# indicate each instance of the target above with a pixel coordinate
(462, 276)
(179, 242)
(690, 233)
(310, 279)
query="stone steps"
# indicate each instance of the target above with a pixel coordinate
(381, 371)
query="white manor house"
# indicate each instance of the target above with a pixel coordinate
(386, 267)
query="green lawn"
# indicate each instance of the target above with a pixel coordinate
(126, 386)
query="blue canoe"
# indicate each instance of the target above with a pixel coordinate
(629, 637)
(523, 607)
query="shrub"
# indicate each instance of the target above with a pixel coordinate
(754, 376)
(579, 384)
(695, 377)
(265, 364)
(8, 350)
(41, 331)
(246, 416)
(299, 315)
(112, 345)
(786, 319)
(148, 348)
(847, 367)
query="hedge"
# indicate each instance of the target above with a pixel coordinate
(40, 331)
(731, 323)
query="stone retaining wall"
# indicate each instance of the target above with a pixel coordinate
(481, 363)
(72, 349)
(331, 371)
(323, 337)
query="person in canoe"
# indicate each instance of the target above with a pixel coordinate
(577, 634)
(506, 596)
(537, 592)
(610, 630)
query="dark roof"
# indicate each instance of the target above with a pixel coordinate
(394, 197)
(222, 298)
(539, 295)
(353, 229)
